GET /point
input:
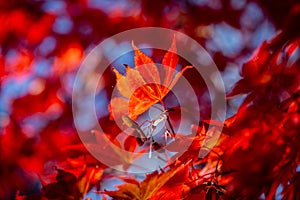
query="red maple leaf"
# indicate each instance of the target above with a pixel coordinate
(143, 87)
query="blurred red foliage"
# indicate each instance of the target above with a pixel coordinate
(42, 44)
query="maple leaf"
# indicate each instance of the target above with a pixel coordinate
(175, 187)
(69, 186)
(113, 152)
(197, 144)
(145, 85)
(269, 67)
(148, 187)
(64, 187)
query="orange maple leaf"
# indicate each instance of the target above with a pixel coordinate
(145, 85)
(148, 188)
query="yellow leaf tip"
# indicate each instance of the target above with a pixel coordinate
(118, 75)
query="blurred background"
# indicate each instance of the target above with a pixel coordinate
(42, 44)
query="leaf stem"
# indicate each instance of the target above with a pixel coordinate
(168, 119)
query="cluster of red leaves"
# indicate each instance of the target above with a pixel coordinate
(22, 151)
(259, 148)
(263, 145)
(267, 122)
(263, 135)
